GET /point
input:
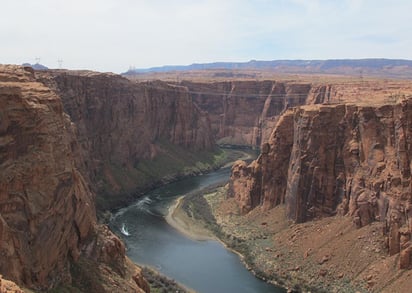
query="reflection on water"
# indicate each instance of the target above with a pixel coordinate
(205, 266)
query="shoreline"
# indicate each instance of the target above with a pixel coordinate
(154, 277)
(191, 228)
(104, 215)
(173, 218)
(315, 256)
(176, 219)
(195, 230)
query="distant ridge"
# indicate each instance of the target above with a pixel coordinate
(36, 66)
(371, 66)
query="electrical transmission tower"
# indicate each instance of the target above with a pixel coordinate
(37, 60)
(60, 61)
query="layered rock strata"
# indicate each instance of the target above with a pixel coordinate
(337, 159)
(245, 112)
(47, 213)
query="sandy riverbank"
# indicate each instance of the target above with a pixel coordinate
(203, 226)
(191, 228)
(178, 219)
(188, 225)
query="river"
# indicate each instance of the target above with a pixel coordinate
(205, 266)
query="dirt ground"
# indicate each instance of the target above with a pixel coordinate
(326, 255)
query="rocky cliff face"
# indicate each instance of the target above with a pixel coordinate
(245, 112)
(337, 159)
(47, 213)
(45, 202)
(120, 124)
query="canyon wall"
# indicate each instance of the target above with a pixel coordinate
(45, 201)
(125, 129)
(323, 160)
(245, 112)
(47, 212)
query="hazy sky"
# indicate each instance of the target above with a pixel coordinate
(112, 35)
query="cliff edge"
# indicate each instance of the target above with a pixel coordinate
(47, 214)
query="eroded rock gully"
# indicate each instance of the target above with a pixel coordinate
(47, 213)
(325, 160)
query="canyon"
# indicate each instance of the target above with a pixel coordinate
(131, 136)
(75, 144)
(244, 109)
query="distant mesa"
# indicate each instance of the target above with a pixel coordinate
(36, 66)
(380, 67)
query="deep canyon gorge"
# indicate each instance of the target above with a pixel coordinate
(76, 144)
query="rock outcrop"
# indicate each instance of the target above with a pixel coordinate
(7, 286)
(47, 212)
(245, 112)
(104, 266)
(337, 159)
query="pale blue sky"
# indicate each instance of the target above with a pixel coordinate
(111, 35)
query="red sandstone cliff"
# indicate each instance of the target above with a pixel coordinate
(47, 213)
(245, 112)
(329, 159)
